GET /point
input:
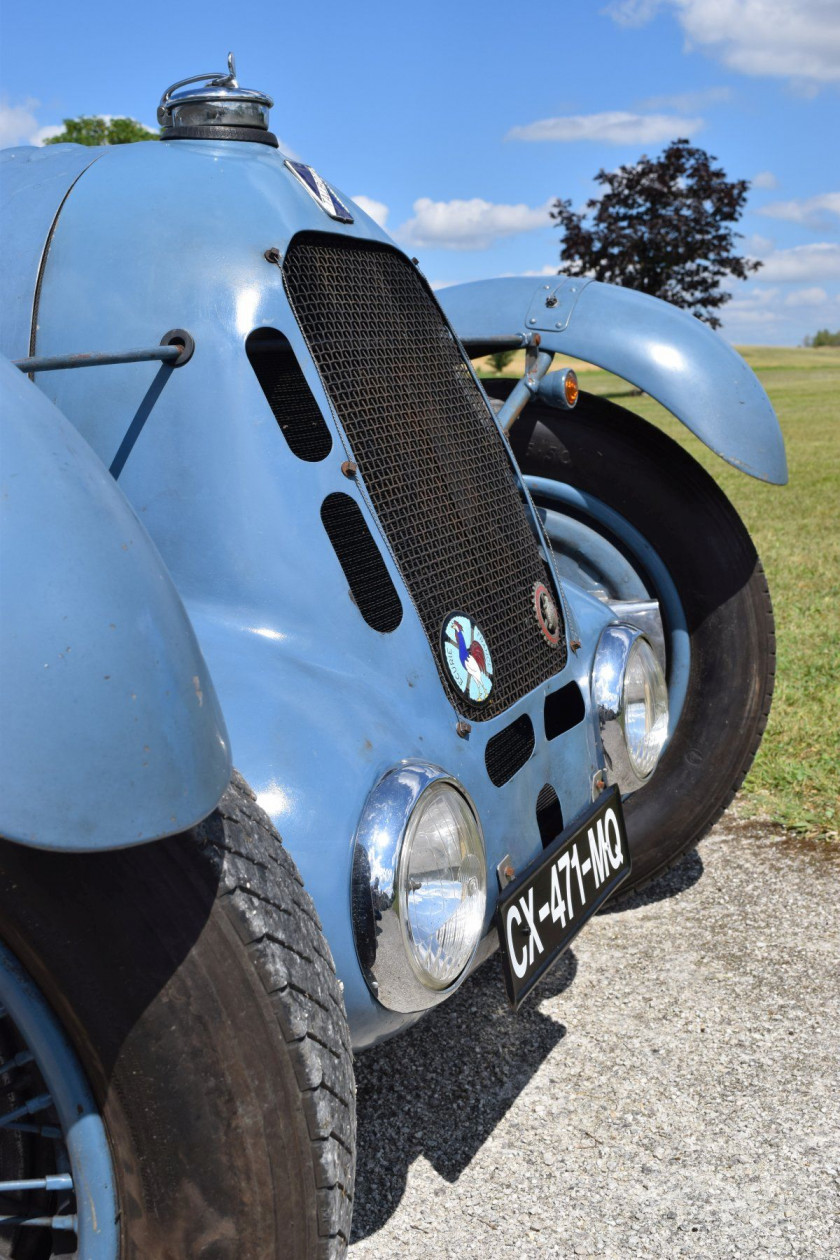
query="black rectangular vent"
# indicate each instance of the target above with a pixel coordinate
(563, 710)
(508, 751)
(549, 815)
(369, 580)
(434, 464)
(288, 394)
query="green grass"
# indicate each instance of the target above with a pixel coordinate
(796, 777)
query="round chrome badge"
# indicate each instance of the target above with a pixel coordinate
(545, 609)
(467, 658)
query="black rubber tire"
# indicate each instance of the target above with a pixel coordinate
(195, 982)
(672, 501)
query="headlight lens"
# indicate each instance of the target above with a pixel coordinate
(631, 696)
(441, 885)
(645, 708)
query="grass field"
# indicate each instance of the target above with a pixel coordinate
(796, 777)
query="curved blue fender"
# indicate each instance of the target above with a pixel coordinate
(112, 733)
(657, 347)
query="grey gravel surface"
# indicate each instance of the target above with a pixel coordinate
(670, 1090)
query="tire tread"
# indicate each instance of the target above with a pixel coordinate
(264, 899)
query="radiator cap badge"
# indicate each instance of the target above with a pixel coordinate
(320, 191)
(545, 609)
(467, 657)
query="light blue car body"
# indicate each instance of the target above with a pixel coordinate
(318, 705)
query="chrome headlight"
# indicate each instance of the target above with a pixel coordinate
(629, 689)
(419, 887)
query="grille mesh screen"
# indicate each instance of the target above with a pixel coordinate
(369, 580)
(431, 457)
(288, 394)
(508, 751)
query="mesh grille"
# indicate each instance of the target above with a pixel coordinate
(432, 460)
(288, 394)
(549, 814)
(369, 580)
(508, 751)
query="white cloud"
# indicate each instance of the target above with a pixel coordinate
(757, 306)
(758, 246)
(614, 127)
(377, 210)
(814, 296)
(814, 212)
(46, 133)
(18, 124)
(764, 179)
(803, 263)
(794, 40)
(474, 224)
(689, 102)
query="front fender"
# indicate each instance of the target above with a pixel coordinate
(657, 347)
(112, 732)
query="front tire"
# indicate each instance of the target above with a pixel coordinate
(192, 977)
(672, 504)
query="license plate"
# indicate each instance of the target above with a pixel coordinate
(539, 913)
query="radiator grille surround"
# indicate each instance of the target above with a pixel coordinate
(429, 453)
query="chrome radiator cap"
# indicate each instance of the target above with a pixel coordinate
(215, 107)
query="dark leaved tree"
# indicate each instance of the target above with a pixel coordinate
(663, 226)
(94, 129)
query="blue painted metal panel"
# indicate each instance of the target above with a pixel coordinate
(33, 184)
(666, 352)
(318, 705)
(112, 733)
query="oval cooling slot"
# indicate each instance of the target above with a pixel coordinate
(549, 815)
(508, 751)
(563, 710)
(289, 396)
(367, 576)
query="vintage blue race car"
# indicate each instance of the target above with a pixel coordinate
(481, 654)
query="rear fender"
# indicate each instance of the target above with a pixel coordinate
(112, 732)
(657, 347)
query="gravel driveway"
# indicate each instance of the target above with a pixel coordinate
(670, 1090)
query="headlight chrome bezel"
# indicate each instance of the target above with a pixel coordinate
(378, 927)
(608, 678)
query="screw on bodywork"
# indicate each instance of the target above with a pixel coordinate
(273, 255)
(462, 728)
(349, 469)
(551, 300)
(575, 645)
(505, 871)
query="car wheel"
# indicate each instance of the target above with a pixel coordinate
(176, 1061)
(637, 521)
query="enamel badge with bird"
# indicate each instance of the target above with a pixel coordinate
(467, 657)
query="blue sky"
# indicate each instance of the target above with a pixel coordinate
(461, 123)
